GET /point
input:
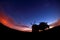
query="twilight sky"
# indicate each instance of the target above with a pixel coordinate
(30, 11)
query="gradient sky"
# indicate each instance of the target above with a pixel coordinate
(30, 11)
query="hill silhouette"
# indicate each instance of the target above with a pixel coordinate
(55, 29)
(4, 28)
(56, 23)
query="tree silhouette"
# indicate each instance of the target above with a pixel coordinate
(43, 25)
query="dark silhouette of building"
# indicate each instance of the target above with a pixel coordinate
(35, 28)
(43, 26)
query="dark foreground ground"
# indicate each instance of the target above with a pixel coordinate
(3, 28)
(55, 29)
(6, 29)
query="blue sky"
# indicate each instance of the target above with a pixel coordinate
(28, 11)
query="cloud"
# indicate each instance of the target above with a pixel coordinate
(56, 23)
(9, 22)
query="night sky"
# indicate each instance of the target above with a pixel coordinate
(31, 11)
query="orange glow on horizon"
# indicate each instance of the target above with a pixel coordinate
(9, 22)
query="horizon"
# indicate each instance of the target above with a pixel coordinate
(26, 12)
